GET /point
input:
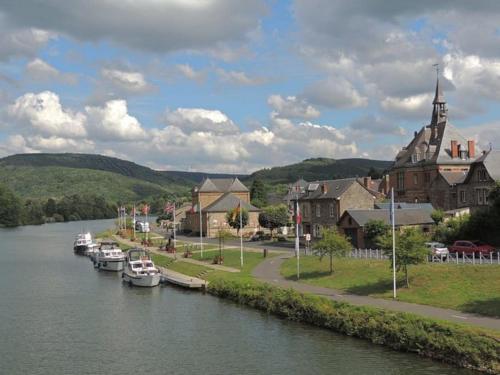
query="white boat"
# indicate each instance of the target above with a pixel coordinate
(140, 269)
(82, 241)
(109, 257)
(92, 250)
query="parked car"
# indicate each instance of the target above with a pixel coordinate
(142, 226)
(470, 247)
(438, 249)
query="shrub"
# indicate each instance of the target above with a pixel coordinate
(452, 343)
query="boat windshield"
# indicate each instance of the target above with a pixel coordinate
(149, 264)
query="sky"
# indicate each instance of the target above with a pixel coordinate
(236, 86)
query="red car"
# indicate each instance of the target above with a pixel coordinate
(469, 247)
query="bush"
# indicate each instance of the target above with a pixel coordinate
(452, 343)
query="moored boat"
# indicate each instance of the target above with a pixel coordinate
(82, 242)
(140, 269)
(109, 257)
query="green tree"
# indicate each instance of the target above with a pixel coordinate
(258, 193)
(33, 213)
(10, 208)
(331, 244)
(374, 229)
(273, 217)
(50, 207)
(410, 249)
(437, 216)
(222, 235)
(374, 173)
(233, 218)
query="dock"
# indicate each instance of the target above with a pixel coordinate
(182, 280)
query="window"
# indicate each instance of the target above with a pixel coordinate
(462, 196)
(318, 210)
(479, 193)
(486, 193)
(482, 175)
(332, 210)
(414, 158)
(415, 179)
(316, 230)
(401, 181)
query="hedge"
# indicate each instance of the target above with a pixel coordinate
(452, 343)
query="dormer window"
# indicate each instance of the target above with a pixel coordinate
(415, 158)
(463, 154)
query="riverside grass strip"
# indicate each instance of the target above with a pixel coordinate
(452, 343)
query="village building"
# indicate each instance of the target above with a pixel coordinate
(352, 222)
(215, 197)
(435, 162)
(323, 202)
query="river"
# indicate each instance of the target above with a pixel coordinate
(58, 315)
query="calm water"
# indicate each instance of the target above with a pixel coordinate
(58, 315)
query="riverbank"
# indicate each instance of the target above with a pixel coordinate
(454, 344)
(451, 343)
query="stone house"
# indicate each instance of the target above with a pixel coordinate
(434, 162)
(323, 202)
(352, 222)
(473, 192)
(215, 197)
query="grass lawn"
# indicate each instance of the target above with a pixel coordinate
(461, 287)
(178, 265)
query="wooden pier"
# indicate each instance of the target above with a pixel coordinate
(182, 280)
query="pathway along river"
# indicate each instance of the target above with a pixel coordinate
(58, 315)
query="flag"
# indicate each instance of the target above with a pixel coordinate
(145, 209)
(236, 211)
(169, 207)
(298, 216)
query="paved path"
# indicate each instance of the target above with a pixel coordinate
(269, 271)
(178, 257)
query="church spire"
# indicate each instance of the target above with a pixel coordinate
(439, 112)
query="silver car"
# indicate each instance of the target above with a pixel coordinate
(438, 249)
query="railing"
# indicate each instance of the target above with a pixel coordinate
(452, 258)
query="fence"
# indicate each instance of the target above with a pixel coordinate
(452, 258)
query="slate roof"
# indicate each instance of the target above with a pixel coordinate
(335, 188)
(404, 205)
(404, 216)
(491, 160)
(453, 178)
(221, 185)
(228, 202)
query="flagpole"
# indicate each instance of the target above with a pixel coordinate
(297, 244)
(393, 222)
(133, 222)
(201, 225)
(241, 237)
(175, 238)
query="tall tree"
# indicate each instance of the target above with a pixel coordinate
(331, 244)
(374, 229)
(233, 218)
(10, 208)
(273, 217)
(410, 249)
(258, 193)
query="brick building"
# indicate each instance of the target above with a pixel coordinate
(216, 197)
(435, 162)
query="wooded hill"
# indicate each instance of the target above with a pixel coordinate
(57, 175)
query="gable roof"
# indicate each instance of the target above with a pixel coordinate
(403, 205)
(491, 161)
(334, 188)
(404, 216)
(228, 202)
(453, 178)
(221, 185)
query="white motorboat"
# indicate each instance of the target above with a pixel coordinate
(140, 269)
(92, 250)
(109, 257)
(82, 241)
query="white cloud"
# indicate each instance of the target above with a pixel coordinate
(335, 93)
(113, 123)
(130, 82)
(59, 144)
(417, 106)
(375, 125)
(201, 120)
(291, 107)
(239, 78)
(42, 71)
(190, 73)
(20, 42)
(44, 113)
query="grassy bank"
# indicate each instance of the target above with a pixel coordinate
(466, 288)
(458, 345)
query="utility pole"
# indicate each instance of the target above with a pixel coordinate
(201, 225)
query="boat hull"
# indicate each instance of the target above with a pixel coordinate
(142, 280)
(80, 249)
(110, 265)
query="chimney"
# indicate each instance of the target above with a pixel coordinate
(454, 149)
(324, 188)
(415, 134)
(472, 149)
(367, 181)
